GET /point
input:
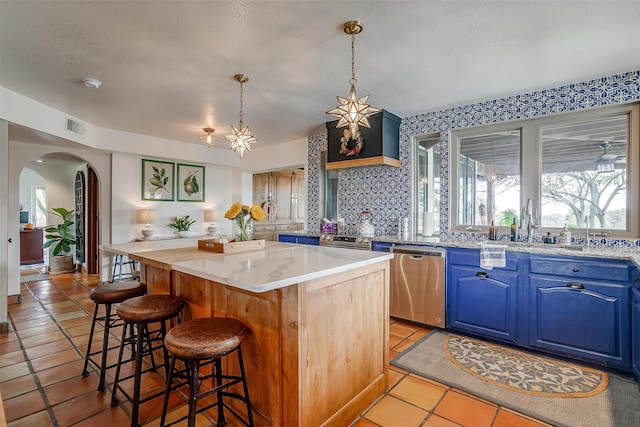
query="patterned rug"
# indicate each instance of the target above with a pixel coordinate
(33, 277)
(523, 372)
(529, 384)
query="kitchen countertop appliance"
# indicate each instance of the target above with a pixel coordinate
(417, 284)
(342, 241)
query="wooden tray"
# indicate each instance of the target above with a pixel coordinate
(231, 247)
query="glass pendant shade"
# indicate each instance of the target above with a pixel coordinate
(208, 137)
(241, 138)
(353, 111)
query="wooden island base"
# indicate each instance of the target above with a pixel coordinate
(318, 353)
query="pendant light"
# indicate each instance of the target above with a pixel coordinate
(353, 112)
(241, 137)
(208, 136)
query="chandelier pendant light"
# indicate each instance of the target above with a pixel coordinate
(353, 111)
(208, 137)
(241, 137)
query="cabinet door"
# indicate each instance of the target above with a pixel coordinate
(635, 332)
(299, 197)
(283, 196)
(483, 302)
(309, 240)
(588, 320)
(260, 188)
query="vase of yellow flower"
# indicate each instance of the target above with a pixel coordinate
(243, 217)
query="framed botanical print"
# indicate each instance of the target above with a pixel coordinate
(157, 180)
(190, 183)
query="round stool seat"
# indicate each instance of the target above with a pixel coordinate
(114, 293)
(205, 338)
(150, 308)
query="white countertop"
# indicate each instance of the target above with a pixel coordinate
(276, 266)
(151, 245)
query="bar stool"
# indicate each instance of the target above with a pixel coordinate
(141, 312)
(107, 295)
(199, 343)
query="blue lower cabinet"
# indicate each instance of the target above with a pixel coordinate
(635, 332)
(287, 238)
(309, 240)
(304, 240)
(483, 302)
(581, 318)
(381, 246)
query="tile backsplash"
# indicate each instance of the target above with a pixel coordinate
(386, 191)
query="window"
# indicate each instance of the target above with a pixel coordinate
(578, 169)
(427, 184)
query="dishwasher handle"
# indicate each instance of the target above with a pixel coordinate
(419, 251)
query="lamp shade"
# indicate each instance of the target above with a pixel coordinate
(146, 216)
(210, 215)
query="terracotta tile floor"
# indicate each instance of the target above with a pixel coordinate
(41, 360)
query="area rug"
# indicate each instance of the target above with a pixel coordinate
(602, 399)
(33, 277)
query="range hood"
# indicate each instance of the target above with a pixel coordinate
(380, 144)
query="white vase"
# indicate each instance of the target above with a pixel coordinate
(184, 233)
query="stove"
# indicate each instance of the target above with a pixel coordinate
(350, 242)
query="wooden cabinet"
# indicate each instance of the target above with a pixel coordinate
(31, 251)
(287, 190)
(483, 302)
(580, 308)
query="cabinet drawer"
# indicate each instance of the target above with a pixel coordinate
(288, 227)
(263, 227)
(471, 257)
(584, 269)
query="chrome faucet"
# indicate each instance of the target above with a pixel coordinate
(531, 224)
(586, 238)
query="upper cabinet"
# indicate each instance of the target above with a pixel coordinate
(282, 194)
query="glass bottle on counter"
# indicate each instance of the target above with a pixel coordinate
(492, 231)
(514, 230)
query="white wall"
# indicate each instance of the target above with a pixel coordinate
(126, 199)
(287, 155)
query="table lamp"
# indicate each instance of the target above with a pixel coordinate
(146, 216)
(211, 216)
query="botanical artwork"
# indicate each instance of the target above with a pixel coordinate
(157, 180)
(190, 183)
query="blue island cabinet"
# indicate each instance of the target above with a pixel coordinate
(579, 307)
(483, 302)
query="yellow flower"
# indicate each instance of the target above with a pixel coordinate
(234, 211)
(257, 213)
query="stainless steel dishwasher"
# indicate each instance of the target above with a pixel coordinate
(417, 284)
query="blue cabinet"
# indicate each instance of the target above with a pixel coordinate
(294, 238)
(483, 302)
(580, 308)
(381, 246)
(635, 332)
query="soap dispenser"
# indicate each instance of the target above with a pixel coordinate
(565, 236)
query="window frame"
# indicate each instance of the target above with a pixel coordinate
(531, 169)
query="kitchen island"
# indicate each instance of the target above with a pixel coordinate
(318, 352)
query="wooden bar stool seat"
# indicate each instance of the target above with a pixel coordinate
(198, 343)
(139, 313)
(107, 295)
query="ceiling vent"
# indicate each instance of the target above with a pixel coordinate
(75, 126)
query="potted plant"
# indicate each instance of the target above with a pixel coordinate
(59, 239)
(182, 225)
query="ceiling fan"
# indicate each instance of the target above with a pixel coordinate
(606, 162)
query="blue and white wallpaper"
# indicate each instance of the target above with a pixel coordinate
(386, 191)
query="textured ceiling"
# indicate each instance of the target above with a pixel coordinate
(167, 66)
